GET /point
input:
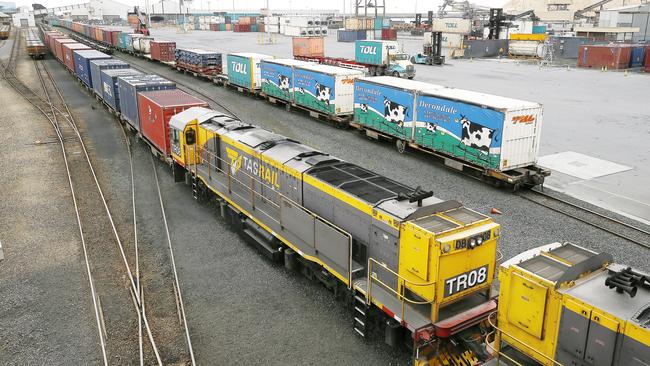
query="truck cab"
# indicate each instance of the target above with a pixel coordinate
(400, 66)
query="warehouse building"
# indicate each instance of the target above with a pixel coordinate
(23, 19)
(635, 16)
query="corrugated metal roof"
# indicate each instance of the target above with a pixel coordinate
(92, 54)
(171, 97)
(201, 114)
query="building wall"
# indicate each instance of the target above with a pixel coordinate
(18, 17)
(545, 8)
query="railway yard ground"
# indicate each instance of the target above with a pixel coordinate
(240, 307)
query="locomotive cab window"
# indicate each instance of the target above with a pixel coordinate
(175, 137)
(190, 137)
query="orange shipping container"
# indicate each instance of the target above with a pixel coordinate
(309, 46)
(244, 20)
(228, 26)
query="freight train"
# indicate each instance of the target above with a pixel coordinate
(416, 270)
(499, 147)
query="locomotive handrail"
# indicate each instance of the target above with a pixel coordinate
(201, 154)
(400, 296)
(497, 348)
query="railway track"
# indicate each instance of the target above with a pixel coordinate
(607, 223)
(106, 265)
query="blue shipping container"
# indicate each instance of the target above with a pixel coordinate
(110, 92)
(539, 29)
(128, 88)
(346, 35)
(638, 56)
(95, 71)
(82, 60)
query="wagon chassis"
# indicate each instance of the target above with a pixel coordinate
(515, 179)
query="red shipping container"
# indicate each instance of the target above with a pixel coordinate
(114, 36)
(389, 34)
(156, 108)
(242, 28)
(68, 57)
(50, 42)
(610, 56)
(163, 50)
(58, 46)
(647, 59)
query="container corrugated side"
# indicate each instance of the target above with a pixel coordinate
(156, 108)
(487, 130)
(95, 71)
(129, 87)
(109, 85)
(82, 60)
(244, 69)
(326, 89)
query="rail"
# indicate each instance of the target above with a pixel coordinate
(206, 157)
(401, 282)
(497, 341)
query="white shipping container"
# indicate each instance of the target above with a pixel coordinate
(327, 84)
(449, 40)
(518, 123)
(142, 44)
(452, 25)
(304, 21)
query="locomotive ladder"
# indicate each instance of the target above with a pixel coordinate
(361, 309)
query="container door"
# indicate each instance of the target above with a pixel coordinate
(520, 144)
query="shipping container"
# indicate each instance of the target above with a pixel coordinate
(109, 85)
(130, 86)
(58, 47)
(539, 29)
(68, 55)
(568, 47)
(244, 69)
(95, 71)
(156, 108)
(309, 46)
(389, 34)
(125, 40)
(82, 60)
(350, 35)
(609, 56)
(647, 59)
(637, 55)
(324, 88)
(375, 96)
(374, 52)
(452, 25)
(485, 48)
(142, 45)
(277, 77)
(486, 130)
(163, 50)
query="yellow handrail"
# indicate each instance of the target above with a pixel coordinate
(498, 331)
(401, 280)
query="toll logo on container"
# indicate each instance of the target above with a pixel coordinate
(466, 280)
(239, 67)
(526, 119)
(368, 50)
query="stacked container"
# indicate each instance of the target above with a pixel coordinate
(324, 88)
(487, 130)
(609, 56)
(82, 60)
(156, 108)
(163, 50)
(278, 77)
(68, 55)
(637, 55)
(110, 89)
(244, 69)
(351, 35)
(130, 86)
(95, 71)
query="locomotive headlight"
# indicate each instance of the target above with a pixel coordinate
(497, 232)
(472, 243)
(446, 248)
(479, 240)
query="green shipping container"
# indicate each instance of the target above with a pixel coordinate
(379, 22)
(539, 29)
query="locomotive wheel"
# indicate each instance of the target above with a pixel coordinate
(401, 146)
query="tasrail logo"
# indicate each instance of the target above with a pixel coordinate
(526, 119)
(253, 167)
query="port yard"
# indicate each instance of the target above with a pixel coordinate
(236, 301)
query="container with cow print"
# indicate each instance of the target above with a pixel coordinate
(325, 89)
(244, 69)
(495, 136)
(278, 78)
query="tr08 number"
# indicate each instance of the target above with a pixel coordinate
(466, 280)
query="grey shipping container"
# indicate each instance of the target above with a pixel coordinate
(568, 47)
(350, 35)
(486, 47)
(82, 60)
(110, 91)
(128, 88)
(95, 71)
